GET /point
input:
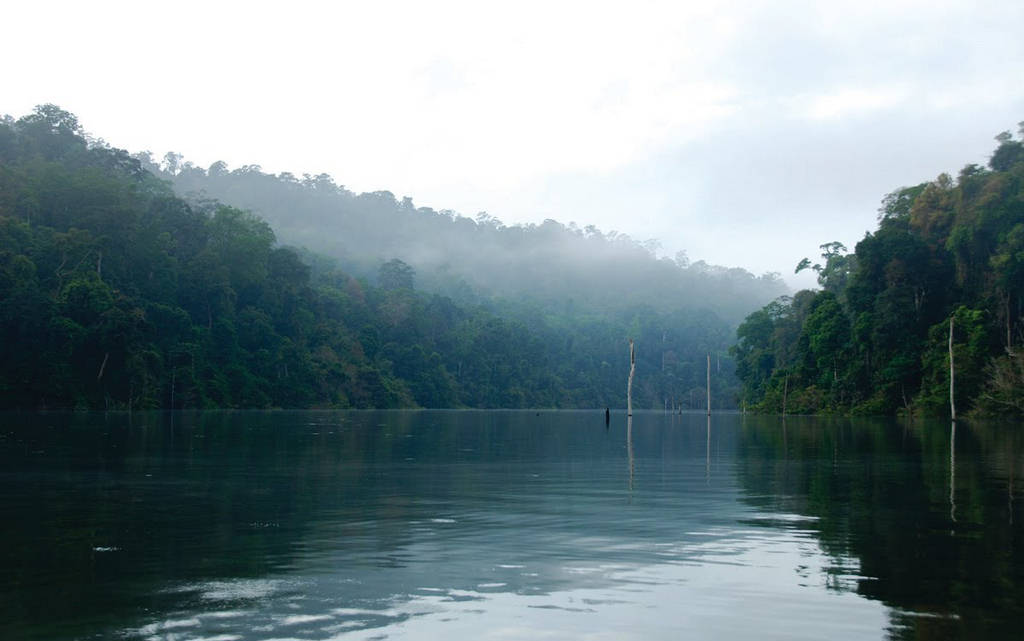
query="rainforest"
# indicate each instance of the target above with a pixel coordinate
(128, 285)
(941, 278)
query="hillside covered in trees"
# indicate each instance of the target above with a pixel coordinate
(875, 338)
(561, 269)
(117, 293)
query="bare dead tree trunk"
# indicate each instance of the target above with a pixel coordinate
(785, 392)
(709, 383)
(103, 365)
(629, 409)
(59, 272)
(952, 402)
(629, 383)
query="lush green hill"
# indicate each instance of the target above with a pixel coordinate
(559, 268)
(119, 294)
(875, 338)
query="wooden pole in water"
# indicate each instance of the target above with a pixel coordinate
(709, 383)
(629, 384)
(952, 403)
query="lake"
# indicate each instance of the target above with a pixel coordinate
(507, 525)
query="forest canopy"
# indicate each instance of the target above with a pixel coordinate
(119, 293)
(875, 339)
(473, 259)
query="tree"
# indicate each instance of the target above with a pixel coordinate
(877, 339)
(837, 267)
(395, 274)
(118, 294)
(1009, 153)
(827, 331)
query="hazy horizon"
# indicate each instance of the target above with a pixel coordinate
(745, 135)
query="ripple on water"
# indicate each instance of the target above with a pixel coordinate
(171, 624)
(240, 590)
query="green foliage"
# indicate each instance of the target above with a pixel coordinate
(875, 340)
(836, 269)
(117, 294)
(1004, 387)
(972, 349)
(561, 268)
(395, 274)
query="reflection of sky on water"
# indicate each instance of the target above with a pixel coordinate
(470, 525)
(724, 584)
(549, 550)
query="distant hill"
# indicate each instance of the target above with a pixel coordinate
(551, 264)
(118, 294)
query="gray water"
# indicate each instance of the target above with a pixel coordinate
(506, 525)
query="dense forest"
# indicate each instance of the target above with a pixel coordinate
(563, 269)
(118, 294)
(876, 338)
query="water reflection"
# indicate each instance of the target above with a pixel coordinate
(462, 524)
(707, 452)
(889, 498)
(952, 472)
(629, 448)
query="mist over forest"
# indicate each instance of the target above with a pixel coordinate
(557, 266)
(131, 285)
(127, 283)
(536, 320)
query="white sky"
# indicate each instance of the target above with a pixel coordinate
(746, 133)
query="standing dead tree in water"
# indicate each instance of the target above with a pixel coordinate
(629, 409)
(629, 384)
(785, 392)
(709, 383)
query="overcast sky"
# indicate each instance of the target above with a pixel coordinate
(745, 133)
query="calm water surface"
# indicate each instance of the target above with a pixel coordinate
(506, 525)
